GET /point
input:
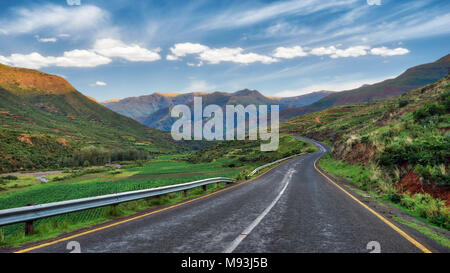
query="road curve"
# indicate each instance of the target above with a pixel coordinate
(292, 208)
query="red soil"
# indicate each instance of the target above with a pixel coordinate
(411, 183)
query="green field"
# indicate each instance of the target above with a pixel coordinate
(162, 171)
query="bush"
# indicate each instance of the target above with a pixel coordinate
(427, 207)
(86, 163)
(365, 139)
(428, 150)
(445, 98)
(402, 103)
(10, 177)
(428, 110)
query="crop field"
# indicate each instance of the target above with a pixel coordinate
(163, 171)
(235, 161)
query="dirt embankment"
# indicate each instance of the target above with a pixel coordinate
(411, 183)
(356, 152)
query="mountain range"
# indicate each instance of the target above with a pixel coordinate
(154, 110)
(411, 79)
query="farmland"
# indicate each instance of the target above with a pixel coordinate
(161, 171)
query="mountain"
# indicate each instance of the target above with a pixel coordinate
(154, 110)
(411, 79)
(400, 142)
(43, 117)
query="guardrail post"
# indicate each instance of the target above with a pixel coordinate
(185, 193)
(28, 228)
(29, 225)
(204, 187)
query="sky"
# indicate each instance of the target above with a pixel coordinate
(119, 48)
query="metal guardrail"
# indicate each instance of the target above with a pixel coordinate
(270, 164)
(30, 213)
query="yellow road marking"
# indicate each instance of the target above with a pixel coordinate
(138, 217)
(394, 227)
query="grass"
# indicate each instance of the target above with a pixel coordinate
(23, 181)
(423, 206)
(54, 226)
(439, 238)
(163, 171)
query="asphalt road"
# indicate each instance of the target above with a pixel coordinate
(291, 208)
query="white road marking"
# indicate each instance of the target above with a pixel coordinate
(287, 178)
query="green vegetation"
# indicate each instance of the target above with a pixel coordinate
(99, 181)
(162, 171)
(440, 238)
(13, 183)
(368, 179)
(44, 121)
(397, 148)
(54, 226)
(248, 154)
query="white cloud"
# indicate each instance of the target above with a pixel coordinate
(195, 64)
(182, 49)
(217, 55)
(171, 57)
(334, 52)
(384, 51)
(74, 58)
(101, 54)
(225, 54)
(289, 52)
(320, 51)
(81, 58)
(46, 40)
(354, 51)
(132, 52)
(99, 83)
(53, 17)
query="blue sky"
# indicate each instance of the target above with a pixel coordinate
(119, 48)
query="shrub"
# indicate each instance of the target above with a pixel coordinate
(428, 110)
(402, 103)
(365, 139)
(10, 177)
(445, 98)
(86, 163)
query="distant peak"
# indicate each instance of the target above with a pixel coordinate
(246, 92)
(168, 95)
(111, 100)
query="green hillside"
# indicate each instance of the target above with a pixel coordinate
(396, 147)
(44, 119)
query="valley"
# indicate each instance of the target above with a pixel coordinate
(59, 145)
